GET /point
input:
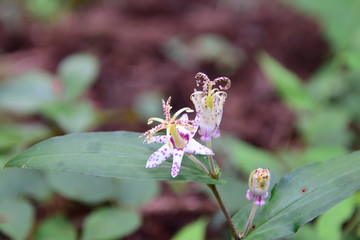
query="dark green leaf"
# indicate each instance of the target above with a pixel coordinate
(303, 195)
(107, 154)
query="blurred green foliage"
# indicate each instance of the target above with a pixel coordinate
(210, 48)
(56, 227)
(110, 223)
(63, 107)
(194, 230)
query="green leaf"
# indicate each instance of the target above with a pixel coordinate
(146, 104)
(322, 153)
(110, 223)
(287, 84)
(71, 117)
(25, 94)
(195, 230)
(56, 227)
(233, 192)
(12, 135)
(78, 72)
(136, 193)
(107, 154)
(247, 157)
(79, 187)
(16, 218)
(328, 127)
(303, 195)
(296, 158)
(327, 84)
(45, 10)
(329, 225)
(305, 232)
(23, 182)
(340, 29)
(352, 60)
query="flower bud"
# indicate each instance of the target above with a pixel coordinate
(259, 182)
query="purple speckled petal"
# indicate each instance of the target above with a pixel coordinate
(177, 159)
(159, 139)
(206, 133)
(195, 125)
(259, 200)
(196, 148)
(159, 156)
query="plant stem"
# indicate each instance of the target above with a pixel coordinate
(224, 210)
(197, 162)
(211, 162)
(249, 223)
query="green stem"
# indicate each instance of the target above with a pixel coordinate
(224, 210)
(211, 162)
(249, 223)
(197, 162)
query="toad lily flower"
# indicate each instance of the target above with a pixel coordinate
(209, 105)
(259, 182)
(177, 141)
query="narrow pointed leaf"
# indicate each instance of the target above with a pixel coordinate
(287, 84)
(303, 195)
(106, 154)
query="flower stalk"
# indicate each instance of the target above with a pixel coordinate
(249, 222)
(213, 171)
(218, 198)
(197, 162)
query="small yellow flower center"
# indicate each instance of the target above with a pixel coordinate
(178, 140)
(209, 98)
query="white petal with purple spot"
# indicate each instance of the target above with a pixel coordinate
(160, 139)
(196, 148)
(177, 159)
(159, 156)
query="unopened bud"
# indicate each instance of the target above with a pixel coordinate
(259, 182)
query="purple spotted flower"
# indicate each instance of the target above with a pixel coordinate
(177, 141)
(259, 182)
(209, 105)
